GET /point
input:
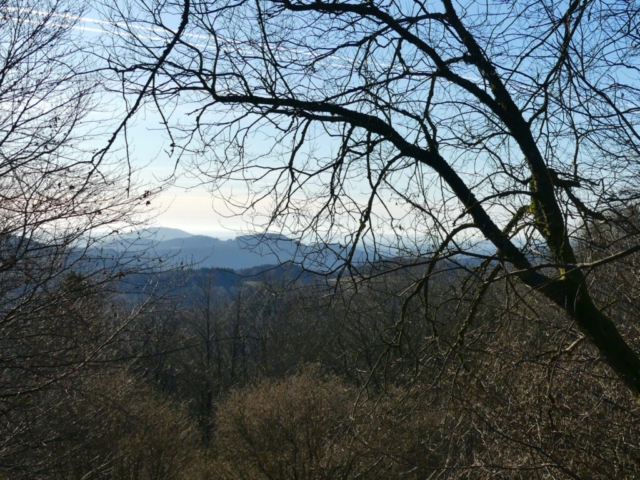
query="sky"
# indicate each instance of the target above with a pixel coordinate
(186, 204)
(182, 203)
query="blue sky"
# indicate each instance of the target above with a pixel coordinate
(183, 203)
(187, 205)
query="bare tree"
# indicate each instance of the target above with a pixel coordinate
(58, 206)
(445, 123)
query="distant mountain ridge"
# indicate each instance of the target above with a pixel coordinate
(246, 251)
(157, 234)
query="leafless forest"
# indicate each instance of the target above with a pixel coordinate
(461, 181)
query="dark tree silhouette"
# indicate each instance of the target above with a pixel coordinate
(375, 122)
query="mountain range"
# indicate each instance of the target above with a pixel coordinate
(177, 247)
